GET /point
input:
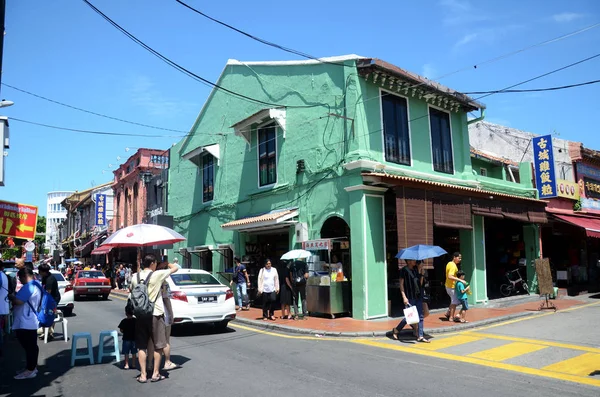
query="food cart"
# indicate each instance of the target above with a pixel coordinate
(327, 291)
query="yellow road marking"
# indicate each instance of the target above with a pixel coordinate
(485, 363)
(582, 365)
(442, 343)
(536, 342)
(507, 351)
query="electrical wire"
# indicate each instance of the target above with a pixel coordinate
(563, 87)
(263, 41)
(89, 111)
(183, 69)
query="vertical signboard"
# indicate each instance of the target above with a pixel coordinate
(101, 210)
(543, 162)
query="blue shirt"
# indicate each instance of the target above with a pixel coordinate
(24, 316)
(241, 277)
(460, 286)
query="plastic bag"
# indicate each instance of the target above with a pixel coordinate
(411, 314)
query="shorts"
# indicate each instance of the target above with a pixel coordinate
(151, 329)
(465, 304)
(143, 332)
(452, 294)
(159, 332)
(129, 347)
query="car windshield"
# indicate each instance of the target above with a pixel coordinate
(58, 277)
(194, 279)
(90, 275)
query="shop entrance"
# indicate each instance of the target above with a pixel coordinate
(504, 252)
(337, 229)
(449, 240)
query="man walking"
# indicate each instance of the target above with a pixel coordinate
(242, 282)
(451, 279)
(152, 329)
(50, 285)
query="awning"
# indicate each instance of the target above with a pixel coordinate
(591, 225)
(87, 247)
(277, 219)
(195, 156)
(243, 128)
(101, 250)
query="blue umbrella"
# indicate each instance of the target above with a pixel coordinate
(420, 252)
(71, 260)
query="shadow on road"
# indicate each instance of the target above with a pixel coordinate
(187, 330)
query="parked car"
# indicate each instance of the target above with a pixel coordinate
(91, 282)
(65, 288)
(197, 297)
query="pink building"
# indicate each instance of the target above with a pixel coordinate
(130, 186)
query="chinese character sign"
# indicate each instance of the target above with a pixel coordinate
(101, 210)
(543, 162)
(18, 220)
(316, 245)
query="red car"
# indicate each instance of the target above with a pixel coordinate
(91, 282)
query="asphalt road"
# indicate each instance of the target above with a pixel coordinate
(243, 362)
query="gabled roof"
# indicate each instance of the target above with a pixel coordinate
(492, 157)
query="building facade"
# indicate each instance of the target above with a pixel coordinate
(353, 155)
(55, 214)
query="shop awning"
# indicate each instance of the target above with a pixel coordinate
(591, 225)
(84, 249)
(277, 219)
(101, 250)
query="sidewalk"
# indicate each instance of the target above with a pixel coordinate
(434, 324)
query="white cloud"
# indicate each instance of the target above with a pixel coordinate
(429, 71)
(456, 5)
(460, 13)
(466, 39)
(566, 17)
(144, 94)
(487, 35)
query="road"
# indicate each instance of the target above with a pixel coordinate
(548, 355)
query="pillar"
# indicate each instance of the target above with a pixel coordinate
(531, 238)
(472, 246)
(367, 233)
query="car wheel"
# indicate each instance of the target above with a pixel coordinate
(104, 297)
(67, 311)
(221, 325)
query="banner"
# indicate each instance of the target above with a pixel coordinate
(567, 189)
(101, 210)
(543, 162)
(18, 220)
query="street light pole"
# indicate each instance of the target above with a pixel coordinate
(2, 31)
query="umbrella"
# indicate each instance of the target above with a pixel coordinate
(420, 252)
(61, 266)
(71, 260)
(142, 235)
(296, 254)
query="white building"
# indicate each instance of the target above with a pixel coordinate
(55, 214)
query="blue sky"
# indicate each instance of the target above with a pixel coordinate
(64, 51)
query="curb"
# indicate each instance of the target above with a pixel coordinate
(372, 334)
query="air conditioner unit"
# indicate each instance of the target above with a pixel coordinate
(301, 232)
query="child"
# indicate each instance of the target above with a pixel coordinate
(461, 295)
(127, 328)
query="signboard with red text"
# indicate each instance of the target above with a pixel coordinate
(18, 220)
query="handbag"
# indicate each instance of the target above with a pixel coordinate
(411, 315)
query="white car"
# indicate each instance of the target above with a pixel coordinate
(65, 288)
(198, 297)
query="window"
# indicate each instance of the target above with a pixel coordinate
(267, 155)
(194, 279)
(395, 129)
(483, 171)
(208, 177)
(441, 141)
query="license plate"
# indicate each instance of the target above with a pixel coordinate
(207, 299)
(93, 289)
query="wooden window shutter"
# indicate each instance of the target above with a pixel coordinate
(415, 217)
(452, 212)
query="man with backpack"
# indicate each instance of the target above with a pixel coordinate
(299, 274)
(50, 285)
(150, 313)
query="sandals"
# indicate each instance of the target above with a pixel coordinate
(160, 377)
(423, 340)
(395, 333)
(463, 321)
(272, 318)
(139, 380)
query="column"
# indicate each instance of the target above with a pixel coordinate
(472, 246)
(531, 238)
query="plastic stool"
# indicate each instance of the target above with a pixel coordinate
(60, 319)
(90, 354)
(116, 353)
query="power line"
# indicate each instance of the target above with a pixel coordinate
(263, 41)
(183, 69)
(563, 87)
(89, 111)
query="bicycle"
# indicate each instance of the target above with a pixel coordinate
(508, 289)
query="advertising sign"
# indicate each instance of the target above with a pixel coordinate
(316, 245)
(18, 220)
(543, 162)
(101, 210)
(589, 186)
(567, 189)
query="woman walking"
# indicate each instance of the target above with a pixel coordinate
(411, 285)
(268, 286)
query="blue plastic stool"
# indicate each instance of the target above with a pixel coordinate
(116, 353)
(90, 354)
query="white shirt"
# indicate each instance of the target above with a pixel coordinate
(24, 316)
(269, 280)
(4, 306)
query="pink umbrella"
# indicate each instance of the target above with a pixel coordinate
(142, 235)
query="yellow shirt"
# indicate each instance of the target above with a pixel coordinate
(154, 287)
(451, 270)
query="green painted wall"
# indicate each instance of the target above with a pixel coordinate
(376, 266)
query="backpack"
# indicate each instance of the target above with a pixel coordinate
(139, 299)
(46, 312)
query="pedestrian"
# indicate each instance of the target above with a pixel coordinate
(424, 297)
(411, 283)
(451, 279)
(285, 297)
(242, 282)
(461, 294)
(268, 286)
(121, 277)
(299, 275)
(127, 276)
(4, 305)
(153, 329)
(50, 285)
(25, 320)
(127, 328)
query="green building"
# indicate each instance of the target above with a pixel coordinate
(356, 151)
